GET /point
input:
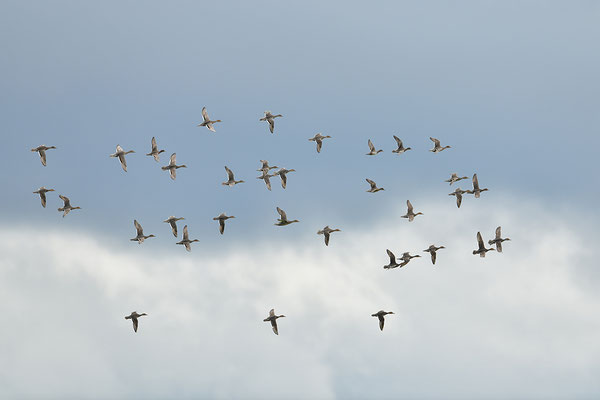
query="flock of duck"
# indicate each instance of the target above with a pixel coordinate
(265, 169)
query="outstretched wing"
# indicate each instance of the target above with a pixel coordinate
(371, 145)
(135, 324)
(221, 225)
(499, 232)
(410, 207)
(274, 326)
(138, 227)
(319, 145)
(43, 157)
(435, 141)
(381, 321)
(475, 182)
(173, 159)
(65, 199)
(326, 234)
(43, 197)
(205, 115)
(398, 141)
(271, 124)
(283, 180)
(123, 161)
(282, 214)
(372, 183)
(185, 233)
(392, 256)
(480, 241)
(229, 173)
(154, 146)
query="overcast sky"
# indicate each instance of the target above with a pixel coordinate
(511, 86)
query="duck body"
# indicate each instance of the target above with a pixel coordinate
(272, 318)
(381, 315)
(134, 318)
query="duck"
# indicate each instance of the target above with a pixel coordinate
(410, 214)
(458, 193)
(222, 218)
(266, 177)
(42, 192)
(172, 167)
(454, 178)
(319, 139)
(372, 151)
(498, 240)
(266, 167)
(186, 239)
(231, 180)
(173, 222)
(393, 263)
(282, 174)
(326, 232)
(134, 318)
(374, 188)
(42, 151)
(406, 257)
(273, 319)
(120, 154)
(283, 221)
(380, 315)
(207, 122)
(270, 118)
(140, 237)
(154, 152)
(481, 250)
(476, 190)
(433, 251)
(437, 147)
(67, 206)
(401, 149)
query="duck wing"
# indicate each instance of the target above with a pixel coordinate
(282, 214)
(66, 200)
(229, 173)
(371, 145)
(392, 257)
(475, 182)
(43, 156)
(480, 241)
(274, 326)
(205, 115)
(173, 224)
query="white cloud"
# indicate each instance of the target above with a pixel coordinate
(516, 324)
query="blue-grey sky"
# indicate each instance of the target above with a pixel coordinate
(511, 86)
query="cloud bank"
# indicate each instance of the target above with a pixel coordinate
(523, 323)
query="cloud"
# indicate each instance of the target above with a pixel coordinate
(517, 324)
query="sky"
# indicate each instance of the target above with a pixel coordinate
(511, 86)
